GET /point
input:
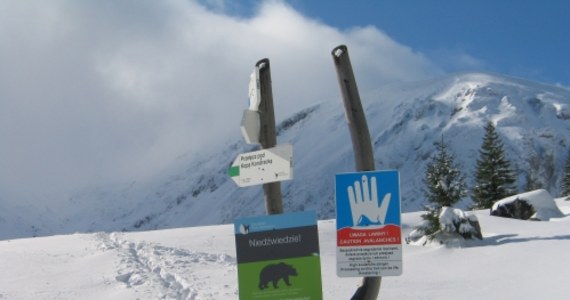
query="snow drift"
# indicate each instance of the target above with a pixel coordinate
(515, 260)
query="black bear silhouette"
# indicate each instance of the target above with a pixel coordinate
(275, 272)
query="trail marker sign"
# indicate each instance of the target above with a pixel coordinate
(263, 166)
(368, 224)
(250, 126)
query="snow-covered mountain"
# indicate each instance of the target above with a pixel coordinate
(533, 120)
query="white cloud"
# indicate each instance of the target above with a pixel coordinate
(456, 59)
(94, 91)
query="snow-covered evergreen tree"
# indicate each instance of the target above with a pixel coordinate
(494, 178)
(444, 187)
(444, 182)
(566, 179)
(430, 225)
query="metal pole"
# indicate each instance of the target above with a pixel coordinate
(361, 144)
(267, 135)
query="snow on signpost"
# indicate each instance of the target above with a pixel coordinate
(250, 122)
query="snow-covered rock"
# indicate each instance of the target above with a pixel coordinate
(454, 220)
(455, 226)
(540, 201)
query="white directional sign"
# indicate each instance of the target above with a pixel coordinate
(263, 166)
(250, 126)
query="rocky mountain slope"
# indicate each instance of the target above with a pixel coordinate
(404, 120)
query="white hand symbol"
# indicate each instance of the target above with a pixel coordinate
(364, 203)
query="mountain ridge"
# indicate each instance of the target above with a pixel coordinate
(405, 120)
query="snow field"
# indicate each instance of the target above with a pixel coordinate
(515, 260)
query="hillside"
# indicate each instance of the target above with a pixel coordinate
(405, 120)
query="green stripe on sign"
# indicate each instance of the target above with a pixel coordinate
(233, 171)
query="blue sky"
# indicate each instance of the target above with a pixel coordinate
(523, 38)
(93, 92)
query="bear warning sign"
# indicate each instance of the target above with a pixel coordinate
(278, 257)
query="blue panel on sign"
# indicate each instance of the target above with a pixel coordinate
(275, 222)
(367, 199)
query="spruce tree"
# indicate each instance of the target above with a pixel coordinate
(494, 178)
(444, 186)
(444, 182)
(566, 179)
(430, 226)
